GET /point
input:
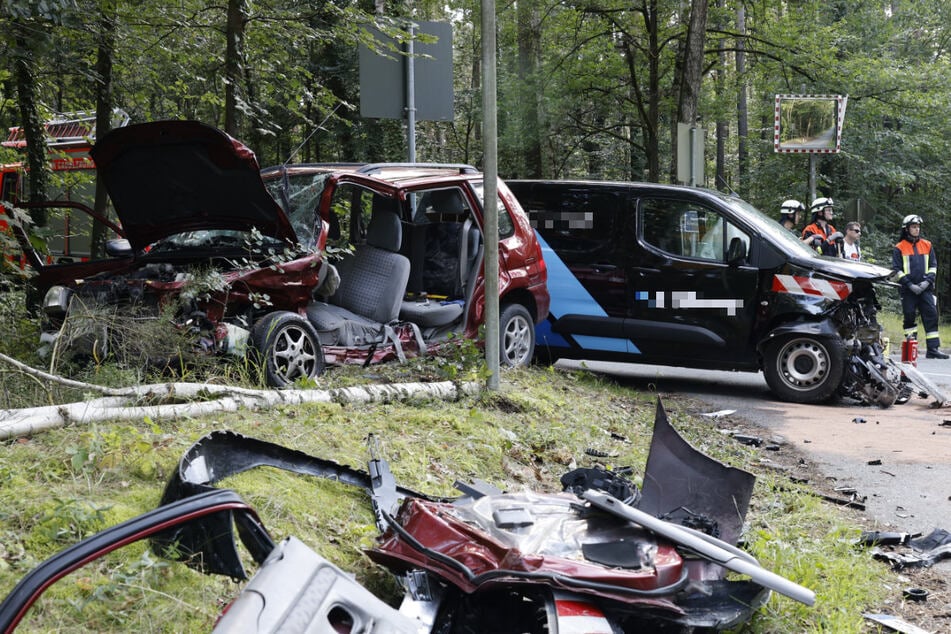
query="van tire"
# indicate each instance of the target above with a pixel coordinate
(803, 368)
(517, 336)
(287, 348)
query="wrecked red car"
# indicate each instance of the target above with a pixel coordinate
(301, 265)
(602, 557)
(415, 276)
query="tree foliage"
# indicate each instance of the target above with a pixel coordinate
(586, 89)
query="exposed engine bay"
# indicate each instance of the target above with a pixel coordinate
(869, 376)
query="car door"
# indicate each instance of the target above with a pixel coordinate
(692, 286)
(578, 227)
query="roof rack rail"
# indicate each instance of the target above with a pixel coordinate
(280, 166)
(371, 168)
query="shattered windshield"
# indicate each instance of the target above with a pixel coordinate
(298, 193)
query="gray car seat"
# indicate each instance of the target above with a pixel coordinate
(451, 239)
(372, 283)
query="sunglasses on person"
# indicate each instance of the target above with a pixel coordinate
(856, 230)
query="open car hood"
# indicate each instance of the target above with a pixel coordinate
(169, 177)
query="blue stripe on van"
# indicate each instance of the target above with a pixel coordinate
(569, 297)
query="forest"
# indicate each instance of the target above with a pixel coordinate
(589, 89)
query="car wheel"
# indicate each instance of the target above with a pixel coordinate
(803, 369)
(517, 332)
(288, 348)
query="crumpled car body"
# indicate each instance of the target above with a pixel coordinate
(486, 561)
(203, 245)
(285, 263)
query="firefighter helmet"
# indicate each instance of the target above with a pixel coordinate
(821, 203)
(789, 208)
(910, 219)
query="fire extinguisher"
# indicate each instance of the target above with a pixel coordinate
(909, 351)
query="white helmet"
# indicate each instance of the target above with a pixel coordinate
(790, 207)
(910, 219)
(821, 203)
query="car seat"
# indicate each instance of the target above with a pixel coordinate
(450, 246)
(372, 283)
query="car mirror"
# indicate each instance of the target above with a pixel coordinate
(118, 247)
(736, 253)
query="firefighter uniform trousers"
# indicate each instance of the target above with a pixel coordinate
(927, 305)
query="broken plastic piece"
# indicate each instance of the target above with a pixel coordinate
(512, 517)
(875, 538)
(719, 414)
(753, 441)
(895, 623)
(915, 594)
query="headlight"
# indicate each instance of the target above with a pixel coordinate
(57, 301)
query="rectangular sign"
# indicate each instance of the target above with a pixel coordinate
(383, 76)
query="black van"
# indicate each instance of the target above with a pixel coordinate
(690, 277)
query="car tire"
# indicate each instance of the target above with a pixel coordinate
(803, 368)
(517, 336)
(287, 348)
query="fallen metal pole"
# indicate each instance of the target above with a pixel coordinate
(704, 546)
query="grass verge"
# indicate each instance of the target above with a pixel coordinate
(58, 487)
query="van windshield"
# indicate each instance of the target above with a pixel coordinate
(770, 227)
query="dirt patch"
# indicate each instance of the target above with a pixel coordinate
(830, 448)
(910, 433)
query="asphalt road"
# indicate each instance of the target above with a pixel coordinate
(898, 459)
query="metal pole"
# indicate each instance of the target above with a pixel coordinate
(812, 179)
(490, 204)
(410, 96)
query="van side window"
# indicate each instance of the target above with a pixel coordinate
(687, 229)
(577, 223)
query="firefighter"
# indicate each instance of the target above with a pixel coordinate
(821, 235)
(915, 266)
(789, 214)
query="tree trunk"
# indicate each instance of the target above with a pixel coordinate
(691, 70)
(651, 132)
(33, 129)
(173, 400)
(723, 128)
(104, 54)
(234, 62)
(528, 64)
(742, 109)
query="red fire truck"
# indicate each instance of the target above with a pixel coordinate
(68, 138)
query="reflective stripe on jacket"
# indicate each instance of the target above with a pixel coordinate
(815, 229)
(914, 262)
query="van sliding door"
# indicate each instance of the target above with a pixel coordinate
(578, 227)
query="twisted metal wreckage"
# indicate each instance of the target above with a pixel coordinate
(601, 557)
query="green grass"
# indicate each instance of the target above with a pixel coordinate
(63, 485)
(892, 324)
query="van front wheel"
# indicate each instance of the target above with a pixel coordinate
(517, 334)
(803, 369)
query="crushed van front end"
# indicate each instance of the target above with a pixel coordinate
(825, 339)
